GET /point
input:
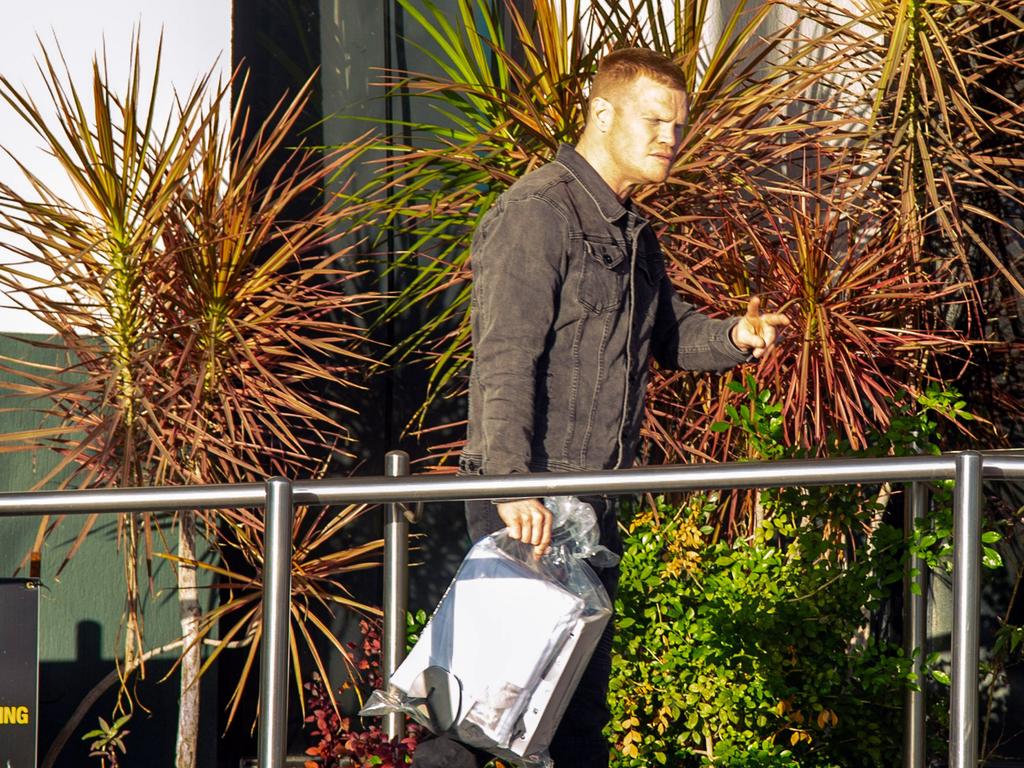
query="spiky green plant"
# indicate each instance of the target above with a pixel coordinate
(85, 266)
(211, 337)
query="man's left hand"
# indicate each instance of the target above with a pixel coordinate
(755, 332)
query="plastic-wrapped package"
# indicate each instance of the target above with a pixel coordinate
(500, 658)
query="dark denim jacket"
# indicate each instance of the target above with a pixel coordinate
(570, 300)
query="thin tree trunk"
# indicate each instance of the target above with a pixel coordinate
(188, 603)
(133, 644)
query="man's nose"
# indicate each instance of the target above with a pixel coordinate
(670, 135)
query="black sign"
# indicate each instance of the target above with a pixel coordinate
(19, 672)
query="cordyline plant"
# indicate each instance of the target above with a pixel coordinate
(857, 168)
(947, 141)
(317, 565)
(209, 336)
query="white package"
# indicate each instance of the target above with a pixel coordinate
(497, 630)
(498, 662)
(552, 693)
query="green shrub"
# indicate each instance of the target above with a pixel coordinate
(756, 652)
(742, 654)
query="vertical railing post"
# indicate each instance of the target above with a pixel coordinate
(915, 586)
(277, 580)
(963, 702)
(396, 587)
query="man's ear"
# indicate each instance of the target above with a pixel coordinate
(601, 113)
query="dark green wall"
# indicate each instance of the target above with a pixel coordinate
(81, 609)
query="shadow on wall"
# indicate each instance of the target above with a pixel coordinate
(64, 685)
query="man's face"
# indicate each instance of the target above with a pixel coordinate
(644, 131)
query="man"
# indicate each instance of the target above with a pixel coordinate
(570, 302)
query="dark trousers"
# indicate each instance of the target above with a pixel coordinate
(579, 741)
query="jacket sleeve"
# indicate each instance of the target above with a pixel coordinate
(684, 338)
(518, 263)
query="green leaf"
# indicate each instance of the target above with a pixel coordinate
(990, 558)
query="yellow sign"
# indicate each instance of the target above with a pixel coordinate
(13, 715)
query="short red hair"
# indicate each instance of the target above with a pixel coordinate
(627, 65)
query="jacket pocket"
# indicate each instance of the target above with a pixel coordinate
(601, 277)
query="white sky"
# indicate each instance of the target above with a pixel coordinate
(197, 34)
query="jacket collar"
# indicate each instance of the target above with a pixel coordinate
(591, 181)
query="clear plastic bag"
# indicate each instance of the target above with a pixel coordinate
(575, 532)
(498, 661)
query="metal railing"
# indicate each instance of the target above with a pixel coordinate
(279, 495)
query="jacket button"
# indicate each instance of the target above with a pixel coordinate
(607, 259)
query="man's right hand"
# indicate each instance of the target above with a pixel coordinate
(528, 521)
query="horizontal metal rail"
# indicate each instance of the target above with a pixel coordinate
(421, 488)
(279, 495)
